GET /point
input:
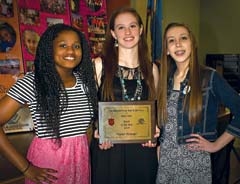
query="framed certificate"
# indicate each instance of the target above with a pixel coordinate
(127, 122)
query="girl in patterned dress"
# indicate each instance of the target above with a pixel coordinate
(62, 97)
(188, 101)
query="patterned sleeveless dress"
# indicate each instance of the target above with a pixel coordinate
(177, 164)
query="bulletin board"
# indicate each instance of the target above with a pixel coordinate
(34, 17)
(11, 64)
(90, 17)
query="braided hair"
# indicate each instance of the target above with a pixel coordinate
(51, 95)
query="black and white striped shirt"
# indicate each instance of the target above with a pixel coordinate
(73, 121)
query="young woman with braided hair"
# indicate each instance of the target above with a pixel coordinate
(62, 96)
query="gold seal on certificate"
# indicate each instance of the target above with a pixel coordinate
(127, 122)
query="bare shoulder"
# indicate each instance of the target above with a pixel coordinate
(98, 68)
(155, 69)
(155, 66)
(155, 74)
(97, 61)
(98, 64)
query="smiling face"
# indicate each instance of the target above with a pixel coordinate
(67, 51)
(126, 30)
(179, 44)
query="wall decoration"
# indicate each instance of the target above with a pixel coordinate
(90, 17)
(96, 33)
(94, 5)
(10, 66)
(29, 66)
(6, 8)
(7, 37)
(35, 17)
(77, 21)
(53, 6)
(30, 40)
(11, 63)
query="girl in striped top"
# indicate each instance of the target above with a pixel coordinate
(62, 97)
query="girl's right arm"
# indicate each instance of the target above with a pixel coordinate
(8, 108)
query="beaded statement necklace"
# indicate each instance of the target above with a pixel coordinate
(138, 91)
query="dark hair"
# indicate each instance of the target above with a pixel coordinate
(51, 95)
(110, 56)
(193, 100)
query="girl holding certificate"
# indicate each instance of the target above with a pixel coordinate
(125, 73)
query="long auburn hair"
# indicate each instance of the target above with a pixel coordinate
(193, 99)
(110, 57)
(51, 95)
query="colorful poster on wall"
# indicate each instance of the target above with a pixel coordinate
(35, 17)
(11, 64)
(90, 17)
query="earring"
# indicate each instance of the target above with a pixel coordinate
(168, 53)
(116, 43)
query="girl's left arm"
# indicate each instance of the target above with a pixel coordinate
(155, 75)
(230, 99)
